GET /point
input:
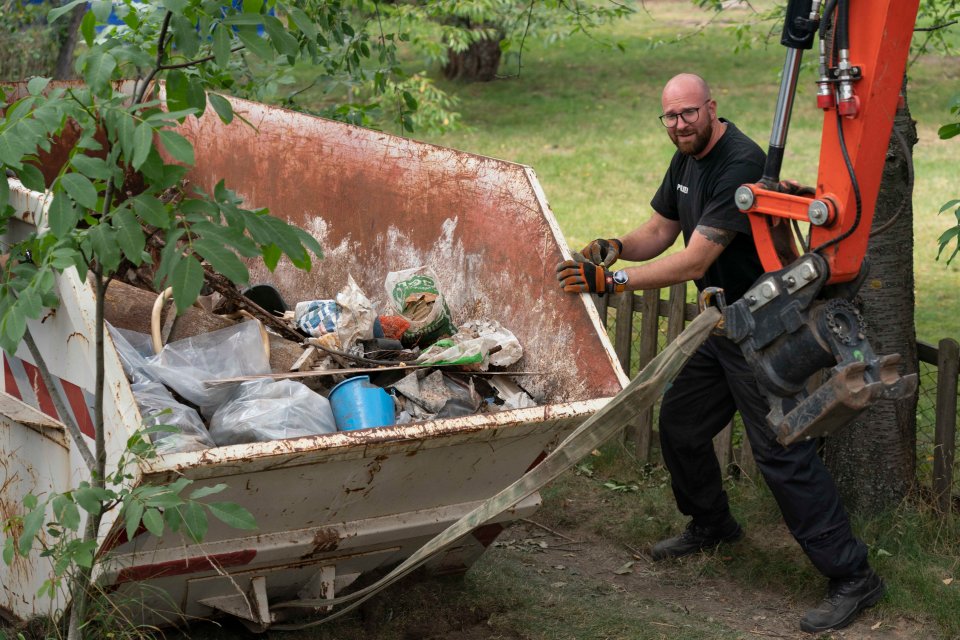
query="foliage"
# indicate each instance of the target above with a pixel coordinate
(25, 40)
(437, 27)
(952, 234)
(155, 508)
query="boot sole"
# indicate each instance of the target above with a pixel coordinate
(866, 602)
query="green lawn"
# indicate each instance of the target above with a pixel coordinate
(583, 115)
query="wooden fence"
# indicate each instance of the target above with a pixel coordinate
(651, 307)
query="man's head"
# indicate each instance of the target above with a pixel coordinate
(690, 115)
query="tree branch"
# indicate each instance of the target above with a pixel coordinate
(189, 63)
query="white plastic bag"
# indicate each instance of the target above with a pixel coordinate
(357, 315)
(264, 410)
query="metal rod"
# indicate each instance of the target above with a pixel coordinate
(781, 116)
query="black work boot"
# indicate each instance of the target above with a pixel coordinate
(846, 598)
(697, 538)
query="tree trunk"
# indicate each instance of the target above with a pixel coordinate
(479, 63)
(874, 459)
(68, 43)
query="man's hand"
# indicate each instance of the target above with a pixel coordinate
(586, 277)
(602, 252)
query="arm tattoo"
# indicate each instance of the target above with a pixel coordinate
(723, 237)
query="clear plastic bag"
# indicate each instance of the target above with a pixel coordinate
(264, 410)
(186, 365)
(158, 407)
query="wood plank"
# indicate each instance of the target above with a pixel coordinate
(642, 433)
(723, 447)
(945, 432)
(623, 333)
(676, 310)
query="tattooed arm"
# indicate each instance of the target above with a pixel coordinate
(705, 246)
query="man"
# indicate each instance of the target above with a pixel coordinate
(713, 158)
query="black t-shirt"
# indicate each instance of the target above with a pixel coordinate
(696, 192)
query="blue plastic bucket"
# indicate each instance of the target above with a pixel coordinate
(357, 404)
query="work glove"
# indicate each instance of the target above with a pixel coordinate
(602, 252)
(794, 188)
(586, 277)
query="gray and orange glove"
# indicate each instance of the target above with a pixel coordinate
(602, 252)
(586, 277)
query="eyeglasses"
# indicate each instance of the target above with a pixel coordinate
(669, 120)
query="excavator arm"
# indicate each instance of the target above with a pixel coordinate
(798, 319)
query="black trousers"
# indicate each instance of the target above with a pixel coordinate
(716, 382)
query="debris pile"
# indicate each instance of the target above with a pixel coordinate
(221, 378)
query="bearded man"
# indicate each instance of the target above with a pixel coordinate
(696, 199)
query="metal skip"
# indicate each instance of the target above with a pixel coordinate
(636, 397)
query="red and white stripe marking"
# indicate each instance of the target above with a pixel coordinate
(22, 381)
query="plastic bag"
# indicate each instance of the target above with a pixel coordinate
(473, 343)
(357, 315)
(264, 410)
(158, 407)
(416, 297)
(185, 365)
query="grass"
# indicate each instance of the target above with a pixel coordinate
(583, 115)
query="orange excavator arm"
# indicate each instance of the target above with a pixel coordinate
(798, 319)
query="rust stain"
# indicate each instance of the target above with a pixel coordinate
(324, 541)
(77, 334)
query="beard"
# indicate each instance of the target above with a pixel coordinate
(695, 145)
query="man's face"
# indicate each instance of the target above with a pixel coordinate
(691, 138)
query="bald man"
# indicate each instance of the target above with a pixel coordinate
(713, 158)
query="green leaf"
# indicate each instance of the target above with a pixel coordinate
(132, 514)
(186, 280)
(271, 256)
(36, 85)
(14, 326)
(12, 148)
(88, 28)
(221, 45)
(949, 130)
(203, 492)
(151, 211)
(410, 100)
(282, 41)
(185, 37)
(948, 205)
(142, 143)
(176, 6)
(196, 96)
(223, 260)
(309, 241)
(8, 551)
(255, 44)
(63, 215)
(303, 22)
(244, 19)
(103, 240)
(66, 512)
(233, 515)
(222, 106)
(88, 499)
(153, 521)
(31, 527)
(129, 235)
(80, 189)
(194, 521)
(30, 501)
(59, 11)
(102, 9)
(31, 177)
(91, 167)
(98, 68)
(177, 146)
